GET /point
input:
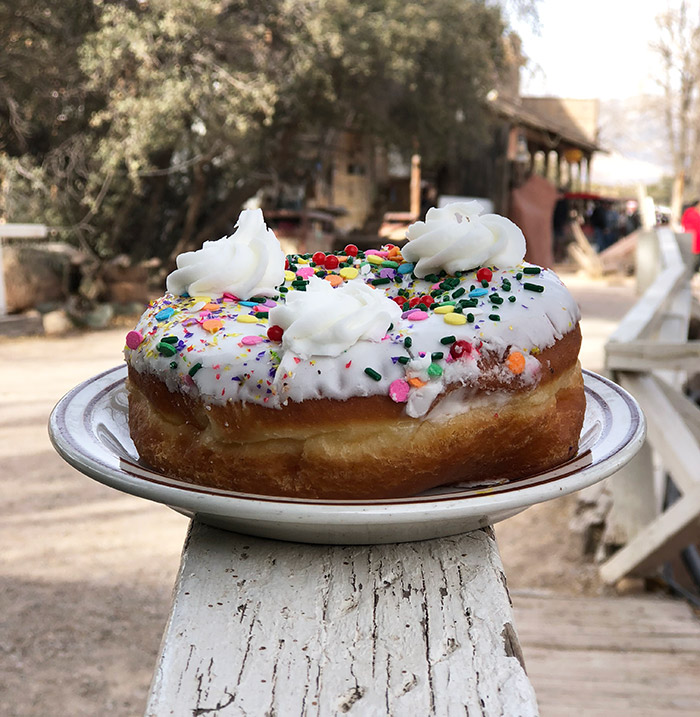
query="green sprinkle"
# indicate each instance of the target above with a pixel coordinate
(469, 303)
(533, 287)
(165, 349)
(194, 369)
(512, 299)
(299, 282)
(173, 364)
(403, 360)
(437, 356)
(470, 318)
(379, 282)
(519, 275)
(494, 317)
(496, 299)
(408, 342)
(169, 339)
(532, 270)
(390, 264)
(434, 370)
(432, 278)
(422, 307)
(261, 314)
(406, 306)
(283, 289)
(447, 340)
(257, 299)
(373, 374)
(484, 283)
(458, 292)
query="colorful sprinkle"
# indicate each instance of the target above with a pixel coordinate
(516, 362)
(165, 314)
(455, 319)
(246, 319)
(399, 390)
(417, 315)
(478, 292)
(212, 325)
(134, 339)
(533, 287)
(348, 272)
(373, 374)
(444, 309)
(251, 340)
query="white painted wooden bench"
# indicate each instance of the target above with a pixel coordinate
(262, 627)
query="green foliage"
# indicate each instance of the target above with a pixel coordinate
(170, 113)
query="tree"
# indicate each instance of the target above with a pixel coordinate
(189, 106)
(678, 49)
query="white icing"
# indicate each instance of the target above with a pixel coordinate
(458, 237)
(325, 321)
(249, 262)
(272, 373)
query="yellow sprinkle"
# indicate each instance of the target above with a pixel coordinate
(455, 319)
(205, 299)
(348, 272)
(374, 259)
(447, 309)
(302, 261)
(247, 319)
(289, 275)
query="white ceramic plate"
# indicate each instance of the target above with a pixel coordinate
(89, 428)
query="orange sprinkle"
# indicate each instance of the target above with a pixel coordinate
(516, 362)
(212, 325)
(416, 382)
(334, 279)
(210, 307)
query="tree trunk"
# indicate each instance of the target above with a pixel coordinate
(194, 208)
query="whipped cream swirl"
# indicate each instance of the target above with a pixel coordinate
(458, 237)
(249, 262)
(325, 321)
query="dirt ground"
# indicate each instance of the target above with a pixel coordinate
(86, 572)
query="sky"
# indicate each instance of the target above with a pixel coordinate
(595, 49)
(590, 48)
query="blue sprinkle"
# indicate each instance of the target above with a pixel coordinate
(478, 292)
(247, 303)
(406, 268)
(165, 314)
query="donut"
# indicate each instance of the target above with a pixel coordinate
(358, 375)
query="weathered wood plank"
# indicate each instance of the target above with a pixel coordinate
(649, 355)
(666, 430)
(265, 627)
(595, 657)
(674, 529)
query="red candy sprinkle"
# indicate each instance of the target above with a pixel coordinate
(318, 258)
(414, 301)
(274, 333)
(351, 250)
(400, 300)
(331, 262)
(286, 264)
(484, 273)
(460, 348)
(427, 300)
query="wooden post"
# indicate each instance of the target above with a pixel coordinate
(263, 627)
(415, 185)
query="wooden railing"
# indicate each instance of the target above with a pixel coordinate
(650, 355)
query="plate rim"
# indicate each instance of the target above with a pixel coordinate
(202, 499)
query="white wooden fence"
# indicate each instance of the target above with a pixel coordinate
(650, 355)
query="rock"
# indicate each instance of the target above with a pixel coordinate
(57, 323)
(99, 317)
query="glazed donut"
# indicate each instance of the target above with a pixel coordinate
(358, 375)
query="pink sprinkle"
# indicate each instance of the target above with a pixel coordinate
(376, 252)
(251, 340)
(305, 272)
(398, 390)
(134, 339)
(417, 315)
(228, 296)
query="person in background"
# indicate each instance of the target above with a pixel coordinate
(691, 224)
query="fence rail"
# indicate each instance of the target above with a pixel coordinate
(651, 356)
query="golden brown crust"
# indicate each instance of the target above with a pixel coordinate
(362, 448)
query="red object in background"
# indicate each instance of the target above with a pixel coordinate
(691, 224)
